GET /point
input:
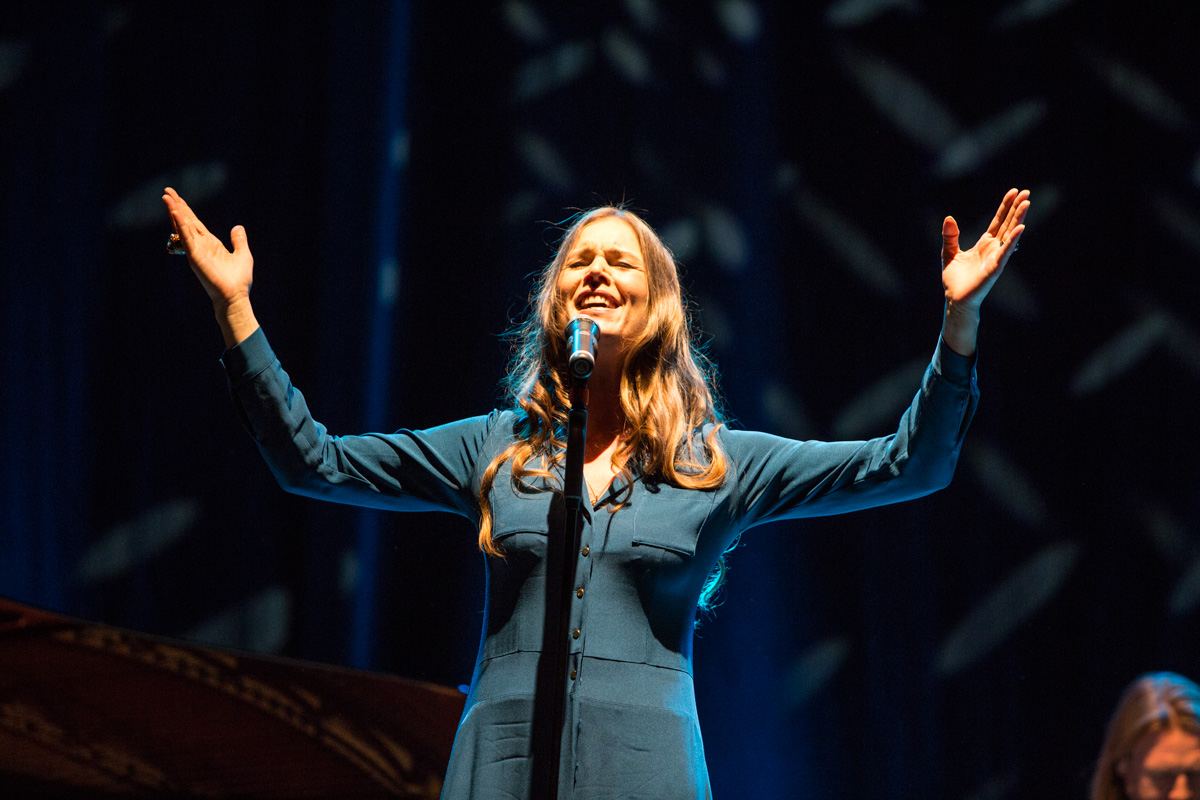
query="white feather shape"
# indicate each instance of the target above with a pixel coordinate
(785, 413)
(1179, 219)
(717, 325)
(558, 68)
(1184, 343)
(1121, 353)
(138, 540)
(143, 206)
(1007, 484)
(1140, 92)
(786, 176)
(644, 13)
(544, 161)
(1016, 599)
(1165, 532)
(1186, 596)
(740, 19)
(901, 98)
(970, 151)
(876, 410)
(726, 238)
(14, 56)
(524, 21)
(851, 13)
(1029, 11)
(682, 236)
(851, 243)
(1049, 198)
(260, 623)
(814, 669)
(627, 56)
(520, 208)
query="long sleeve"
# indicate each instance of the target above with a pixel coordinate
(421, 470)
(776, 478)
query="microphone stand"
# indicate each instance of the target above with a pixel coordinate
(562, 554)
(559, 595)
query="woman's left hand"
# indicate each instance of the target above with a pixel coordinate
(968, 275)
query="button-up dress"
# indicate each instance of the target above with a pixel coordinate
(630, 726)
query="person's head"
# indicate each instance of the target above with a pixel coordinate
(1152, 748)
(612, 266)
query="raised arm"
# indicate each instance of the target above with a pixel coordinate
(778, 478)
(968, 275)
(226, 276)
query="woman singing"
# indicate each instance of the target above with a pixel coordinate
(671, 487)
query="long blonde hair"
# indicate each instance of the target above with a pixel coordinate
(667, 386)
(1155, 702)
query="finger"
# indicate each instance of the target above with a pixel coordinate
(167, 201)
(241, 244)
(1016, 215)
(1010, 244)
(187, 215)
(190, 236)
(175, 206)
(949, 240)
(1002, 212)
(182, 226)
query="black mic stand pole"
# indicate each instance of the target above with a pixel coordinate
(573, 501)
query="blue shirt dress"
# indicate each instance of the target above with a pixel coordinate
(631, 729)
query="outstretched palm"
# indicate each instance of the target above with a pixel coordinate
(968, 275)
(226, 275)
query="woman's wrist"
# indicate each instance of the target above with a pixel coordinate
(960, 328)
(236, 318)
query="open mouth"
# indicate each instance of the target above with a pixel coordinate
(595, 302)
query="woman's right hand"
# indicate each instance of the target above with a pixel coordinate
(226, 276)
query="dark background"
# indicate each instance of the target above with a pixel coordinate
(399, 167)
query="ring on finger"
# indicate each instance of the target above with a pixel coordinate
(175, 245)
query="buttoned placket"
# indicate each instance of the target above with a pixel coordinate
(591, 547)
(584, 559)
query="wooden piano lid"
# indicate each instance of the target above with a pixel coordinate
(92, 711)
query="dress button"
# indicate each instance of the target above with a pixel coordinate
(575, 633)
(573, 674)
(579, 592)
(585, 550)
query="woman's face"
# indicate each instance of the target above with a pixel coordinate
(604, 276)
(1165, 765)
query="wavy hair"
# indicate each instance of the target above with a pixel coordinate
(668, 396)
(1154, 702)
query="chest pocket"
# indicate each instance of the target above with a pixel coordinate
(668, 524)
(532, 511)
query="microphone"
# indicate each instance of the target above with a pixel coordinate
(583, 334)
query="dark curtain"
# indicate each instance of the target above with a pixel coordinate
(400, 167)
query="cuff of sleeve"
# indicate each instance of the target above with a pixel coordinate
(248, 357)
(958, 369)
